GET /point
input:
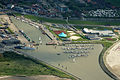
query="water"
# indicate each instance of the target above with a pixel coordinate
(87, 68)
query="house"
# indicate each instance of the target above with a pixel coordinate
(63, 8)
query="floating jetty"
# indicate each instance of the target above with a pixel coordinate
(24, 47)
(77, 50)
(78, 55)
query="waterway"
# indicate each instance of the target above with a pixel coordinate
(86, 68)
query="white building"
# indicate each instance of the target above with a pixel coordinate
(99, 32)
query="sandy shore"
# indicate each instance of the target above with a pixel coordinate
(112, 59)
(38, 77)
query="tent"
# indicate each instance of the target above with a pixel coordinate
(62, 35)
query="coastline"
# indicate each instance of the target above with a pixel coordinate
(104, 64)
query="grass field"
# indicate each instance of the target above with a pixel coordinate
(14, 64)
(36, 18)
(58, 21)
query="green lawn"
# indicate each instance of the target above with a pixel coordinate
(36, 18)
(0, 24)
(58, 21)
(15, 64)
(17, 14)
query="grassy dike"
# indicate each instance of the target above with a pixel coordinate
(60, 21)
(14, 64)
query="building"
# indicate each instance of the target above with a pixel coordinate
(63, 8)
(10, 6)
(102, 33)
(65, 39)
(62, 35)
(11, 41)
(92, 37)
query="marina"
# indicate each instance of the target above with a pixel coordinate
(78, 59)
(24, 48)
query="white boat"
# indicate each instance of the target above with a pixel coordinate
(37, 26)
(74, 60)
(40, 42)
(39, 38)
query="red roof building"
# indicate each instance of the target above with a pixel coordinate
(58, 32)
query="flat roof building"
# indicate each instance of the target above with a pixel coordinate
(99, 32)
(92, 37)
(63, 8)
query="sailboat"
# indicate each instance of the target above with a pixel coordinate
(40, 42)
(39, 38)
(74, 60)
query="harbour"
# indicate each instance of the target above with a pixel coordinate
(82, 65)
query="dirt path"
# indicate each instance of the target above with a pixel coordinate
(38, 77)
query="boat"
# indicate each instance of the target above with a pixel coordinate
(40, 42)
(24, 47)
(74, 60)
(37, 26)
(39, 38)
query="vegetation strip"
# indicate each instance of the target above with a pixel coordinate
(58, 21)
(11, 64)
